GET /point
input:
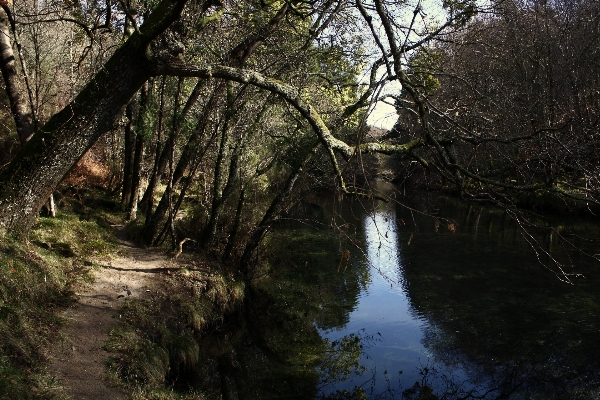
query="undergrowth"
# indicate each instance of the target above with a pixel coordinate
(38, 280)
(158, 339)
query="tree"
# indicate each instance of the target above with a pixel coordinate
(285, 49)
(38, 168)
(15, 85)
(507, 106)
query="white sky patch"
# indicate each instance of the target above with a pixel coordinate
(383, 115)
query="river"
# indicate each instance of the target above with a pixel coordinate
(425, 297)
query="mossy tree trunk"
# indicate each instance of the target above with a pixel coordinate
(27, 182)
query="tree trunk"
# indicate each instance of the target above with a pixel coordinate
(143, 126)
(209, 231)
(148, 199)
(274, 208)
(129, 152)
(19, 106)
(152, 227)
(27, 182)
(162, 159)
(236, 226)
(137, 171)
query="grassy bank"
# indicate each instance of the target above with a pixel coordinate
(168, 346)
(38, 280)
(161, 344)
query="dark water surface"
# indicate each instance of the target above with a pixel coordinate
(439, 300)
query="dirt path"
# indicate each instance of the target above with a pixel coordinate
(79, 361)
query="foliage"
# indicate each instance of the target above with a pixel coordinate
(512, 128)
(421, 68)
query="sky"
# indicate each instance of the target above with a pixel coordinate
(383, 115)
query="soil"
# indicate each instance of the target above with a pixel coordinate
(78, 361)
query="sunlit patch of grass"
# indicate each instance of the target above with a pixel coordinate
(70, 236)
(37, 282)
(82, 225)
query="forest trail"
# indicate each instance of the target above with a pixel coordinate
(78, 360)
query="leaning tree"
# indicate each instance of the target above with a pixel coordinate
(159, 41)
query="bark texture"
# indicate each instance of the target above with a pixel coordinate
(21, 110)
(27, 182)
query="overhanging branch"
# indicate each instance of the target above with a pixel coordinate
(292, 96)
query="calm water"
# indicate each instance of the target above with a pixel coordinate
(430, 297)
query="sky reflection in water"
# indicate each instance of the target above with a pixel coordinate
(460, 309)
(396, 358)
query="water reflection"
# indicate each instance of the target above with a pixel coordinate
(399, 361)
(494, 311)
(418, 310)
(382, 244)
(485, 318)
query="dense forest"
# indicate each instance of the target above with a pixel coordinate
(208, 120)
(197, 110)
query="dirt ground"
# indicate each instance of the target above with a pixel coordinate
(78, 361)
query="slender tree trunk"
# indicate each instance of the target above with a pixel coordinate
(169, 192)
(143, 126)
(166, 151)
(129, 153)
(136, 173)
(148, 199)
(259, 232)
(51, 207)
(15, 88)
(209, 231)
(236, 226)
(152, 227)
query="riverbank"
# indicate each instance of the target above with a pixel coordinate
(40, 281)
(87, 314)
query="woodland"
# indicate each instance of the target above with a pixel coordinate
(212, 107)
(203, 122)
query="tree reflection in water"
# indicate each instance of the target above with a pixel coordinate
(462, 313)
